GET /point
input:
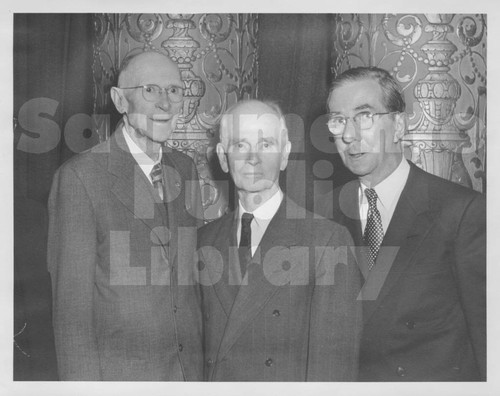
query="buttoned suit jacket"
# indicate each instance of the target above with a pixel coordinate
(123, 306)
(295, 317)
(424, 302)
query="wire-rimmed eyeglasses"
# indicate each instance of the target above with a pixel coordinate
(153, 93)
(337, 123)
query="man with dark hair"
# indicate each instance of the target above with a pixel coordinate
(123, 222)
(424, 264)
(279, 285)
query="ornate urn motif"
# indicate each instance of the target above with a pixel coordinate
(442, 69)
(217, 58)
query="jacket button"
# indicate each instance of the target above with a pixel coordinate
(276, 313)
(269, 362)
(410, 324)
(401, 371)
(175, 308)
(180, 347)
(210, 361)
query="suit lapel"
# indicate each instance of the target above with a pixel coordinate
(130, 185)
(411, 221)
(173, 188)
(225, 242)
(252, 296)
(348, 210)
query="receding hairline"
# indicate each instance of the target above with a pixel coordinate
(131, 60)
(392, 95)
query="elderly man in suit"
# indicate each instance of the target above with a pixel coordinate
(278, 285)
(122, 217)
(424, 297)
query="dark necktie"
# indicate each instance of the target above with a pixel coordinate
(374, 233)
(245, 248)
(156, 176)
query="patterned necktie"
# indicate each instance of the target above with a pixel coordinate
(245, 248)
(156, 176)
(374, 233)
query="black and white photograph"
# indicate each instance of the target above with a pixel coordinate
(252, 200)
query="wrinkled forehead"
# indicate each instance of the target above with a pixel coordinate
(252, 125)
(251, 121)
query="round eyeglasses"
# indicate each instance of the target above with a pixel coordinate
(153, 93)
(337, 123)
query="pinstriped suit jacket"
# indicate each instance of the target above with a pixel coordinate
(117, 258)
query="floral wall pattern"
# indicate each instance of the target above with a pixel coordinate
(217, 57)
(440, 60)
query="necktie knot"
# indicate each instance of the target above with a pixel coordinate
(246, 219)
(156, 173)
(372, 196)
(157, 178)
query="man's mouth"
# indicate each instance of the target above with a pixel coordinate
(356, 155)
(164, 119)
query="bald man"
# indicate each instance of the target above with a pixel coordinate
(123, 221)
(278, 284)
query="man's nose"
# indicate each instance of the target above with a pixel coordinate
(253, 157)
(164, 102)
(351, 132)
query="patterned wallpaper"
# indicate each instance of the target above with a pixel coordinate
(440, 60)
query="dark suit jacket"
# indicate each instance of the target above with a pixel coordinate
(296, 318)
(424, 302)
(114, 252)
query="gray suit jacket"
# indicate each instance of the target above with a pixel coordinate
(296, 318)
(424, 308)
(124, 308)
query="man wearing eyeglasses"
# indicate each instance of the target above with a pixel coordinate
(421, 243)
(123, 222)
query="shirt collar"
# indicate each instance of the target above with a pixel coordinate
(387, 187)
(144, 160)
(267, 210)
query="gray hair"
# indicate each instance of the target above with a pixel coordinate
(274, 110)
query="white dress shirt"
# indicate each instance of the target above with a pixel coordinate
(143, 160)
(262, 217)
(388, 192)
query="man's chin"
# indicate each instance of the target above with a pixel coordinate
(161, 135)
(258, 186)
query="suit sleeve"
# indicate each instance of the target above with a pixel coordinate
(71, 258)
(470, 256)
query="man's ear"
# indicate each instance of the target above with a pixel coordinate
(119, 99)
(221, 153)
(284, 155)
(400, 123)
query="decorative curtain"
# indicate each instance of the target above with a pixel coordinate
(52, 93)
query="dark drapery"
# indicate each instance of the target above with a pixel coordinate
(52, 83)
(295, 59)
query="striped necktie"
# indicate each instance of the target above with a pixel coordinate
(157, 178)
